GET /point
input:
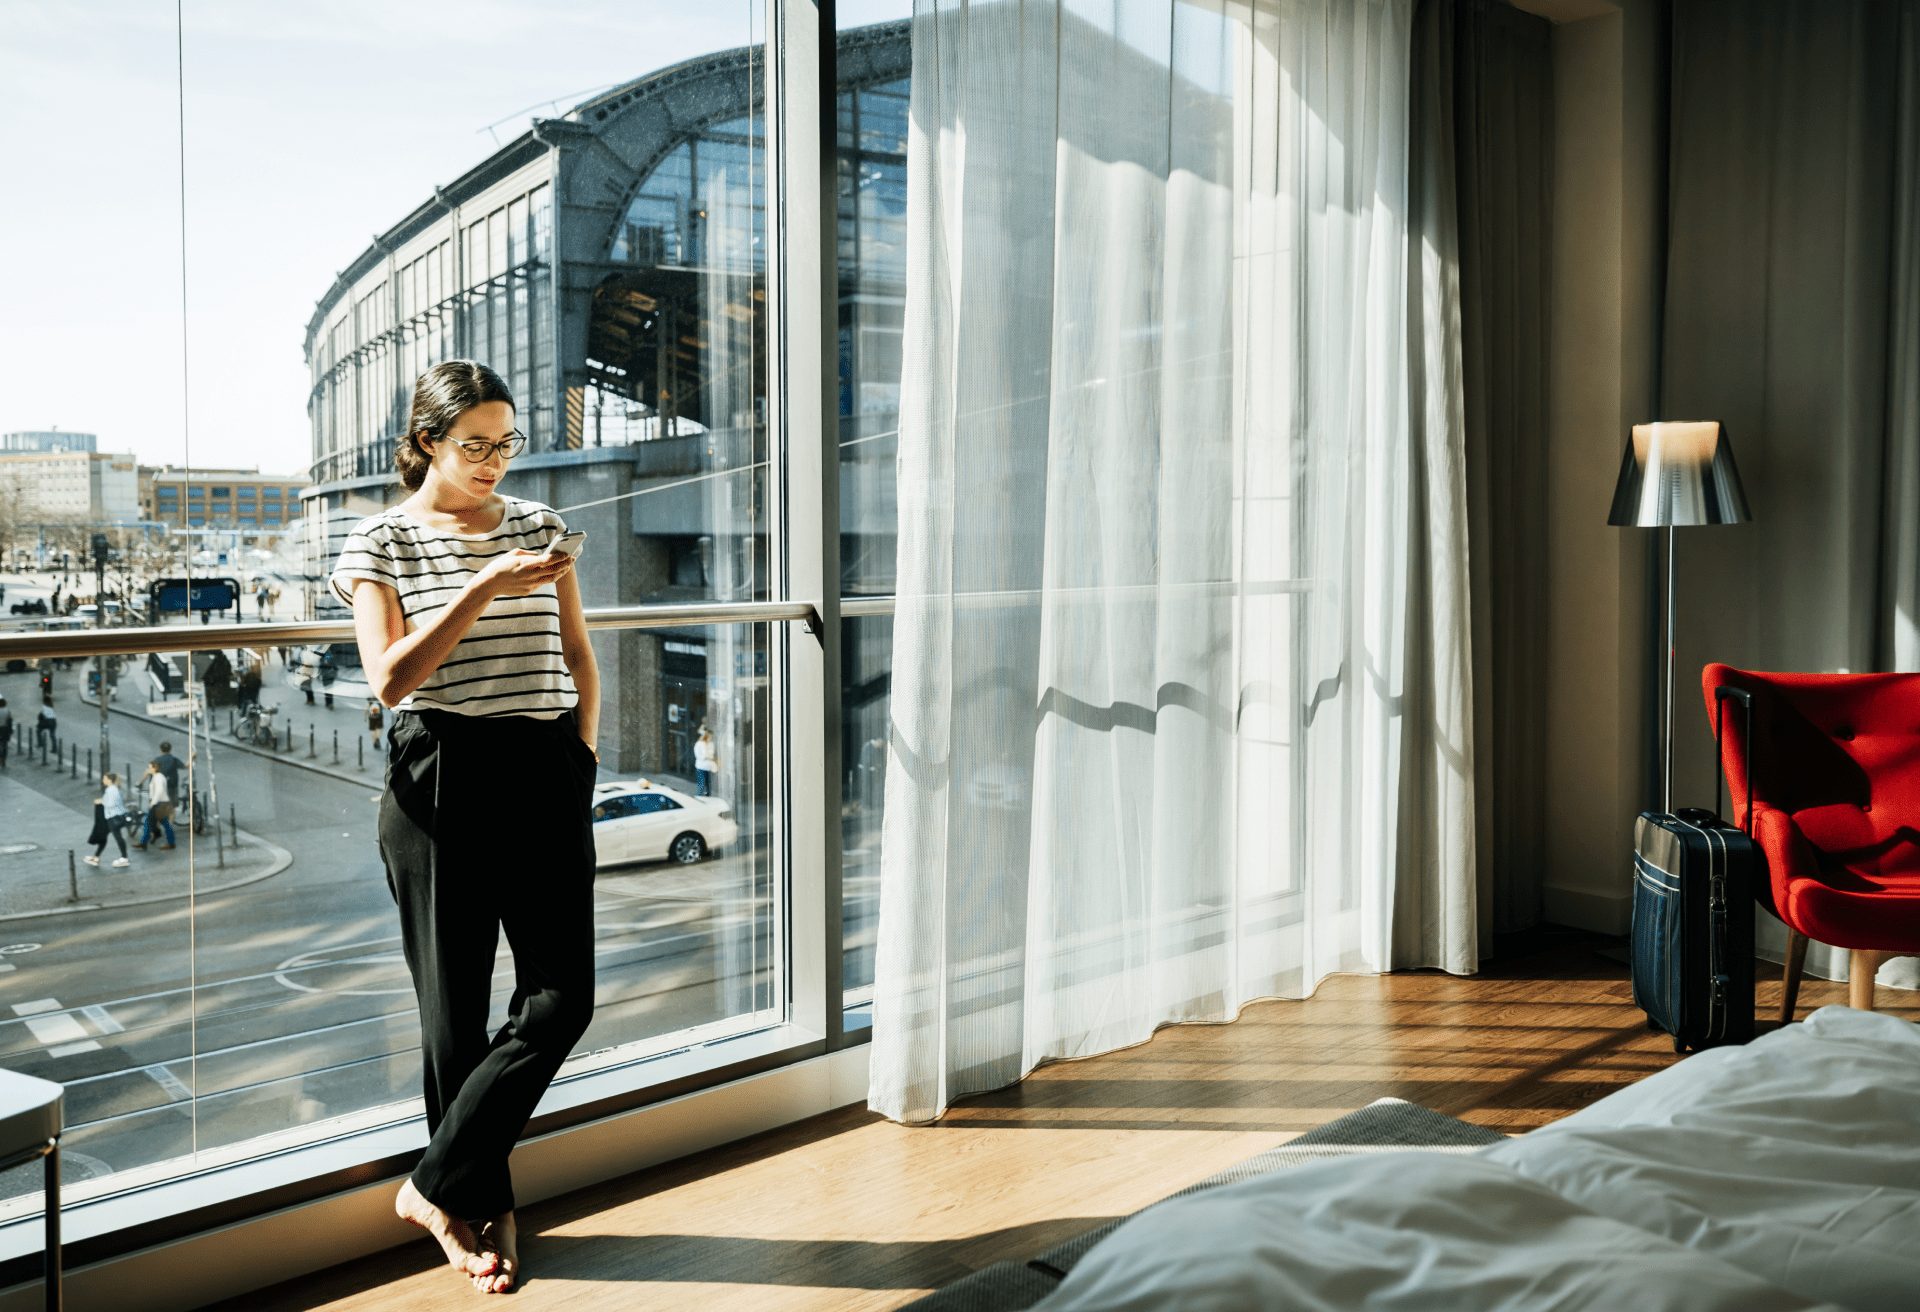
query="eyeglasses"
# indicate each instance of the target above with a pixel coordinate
(479, 449)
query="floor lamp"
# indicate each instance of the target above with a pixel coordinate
(1676, 475)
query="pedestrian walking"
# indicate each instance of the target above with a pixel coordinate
(169, 765)
(457, 601)
(46, 728)
(6, 732)
(109, 821)
(329, 671)
(376, 721)
(706, 762)
(159, 809)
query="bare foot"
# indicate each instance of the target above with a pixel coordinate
(456, 1238)
(500, 1236)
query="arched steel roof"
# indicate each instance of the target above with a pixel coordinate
(628, 130)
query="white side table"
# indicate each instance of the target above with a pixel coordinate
(30, 1124)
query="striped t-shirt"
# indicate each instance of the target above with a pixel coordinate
(510, 662)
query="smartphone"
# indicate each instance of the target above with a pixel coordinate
(568, 544)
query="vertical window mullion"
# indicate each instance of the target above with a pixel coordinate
(802, 130)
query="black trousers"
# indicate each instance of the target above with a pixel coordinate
(486, 823)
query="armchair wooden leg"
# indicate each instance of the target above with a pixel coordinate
(1790, 978)
(1862, 965)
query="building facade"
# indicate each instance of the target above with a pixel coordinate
(610, 264)
(52, 439)
(72, 487)
(241, 499)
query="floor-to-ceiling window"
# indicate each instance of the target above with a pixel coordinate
(322, 210)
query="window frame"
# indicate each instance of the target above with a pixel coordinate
(798, 43)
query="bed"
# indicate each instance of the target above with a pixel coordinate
(1776, 1177)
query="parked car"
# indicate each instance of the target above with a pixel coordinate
(642, 821)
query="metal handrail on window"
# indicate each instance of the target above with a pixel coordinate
(217, 636)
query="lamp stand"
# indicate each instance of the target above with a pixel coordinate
(1666, 728)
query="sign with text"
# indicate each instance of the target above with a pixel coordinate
(195, 594)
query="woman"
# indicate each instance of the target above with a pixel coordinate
(706, 762)
(109, 821)
(474, 635)
(376, 721)
(159, 817)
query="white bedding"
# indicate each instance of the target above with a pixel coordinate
(1781, 1175)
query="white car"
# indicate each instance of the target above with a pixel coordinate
(641, 821)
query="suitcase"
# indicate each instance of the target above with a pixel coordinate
(1693, 894)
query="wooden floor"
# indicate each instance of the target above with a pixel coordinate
(848, 1211)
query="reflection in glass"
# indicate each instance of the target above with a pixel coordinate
(871, 109)
(638, 363)
(296, 1018)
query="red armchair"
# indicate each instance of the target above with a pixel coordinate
(1836, 810)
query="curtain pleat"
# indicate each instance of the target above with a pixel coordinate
(1498, 68)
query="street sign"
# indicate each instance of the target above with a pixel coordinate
(173, 708)
(207, 594)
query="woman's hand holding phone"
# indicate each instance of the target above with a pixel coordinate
(520, 572)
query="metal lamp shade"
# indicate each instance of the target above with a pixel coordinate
(1678, 474)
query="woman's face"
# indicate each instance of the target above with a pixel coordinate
(490, 421)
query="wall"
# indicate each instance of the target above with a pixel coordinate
(1608, 197)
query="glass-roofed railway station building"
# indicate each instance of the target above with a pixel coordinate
(610, 264)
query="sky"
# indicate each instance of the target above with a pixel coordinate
(308, 129)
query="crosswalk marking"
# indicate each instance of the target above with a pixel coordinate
(176, 1087)
(63, 1035)
(103, 1022)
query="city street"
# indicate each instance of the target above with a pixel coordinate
(286, 1001)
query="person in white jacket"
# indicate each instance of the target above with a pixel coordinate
(706, 761)
(159, 808)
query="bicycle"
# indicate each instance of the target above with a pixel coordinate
(255, 725)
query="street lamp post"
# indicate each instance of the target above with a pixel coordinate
(100, 662)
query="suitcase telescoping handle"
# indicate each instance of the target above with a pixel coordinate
(1745, 698)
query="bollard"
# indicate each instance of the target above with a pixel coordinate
(219, 845)
(73, 882)
(336, 747)
(73, 761)
(229, 719)
(360, 753)
(311, 750)
(90, 773)
(232, 823)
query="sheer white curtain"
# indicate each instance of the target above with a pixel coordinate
(1180, 682)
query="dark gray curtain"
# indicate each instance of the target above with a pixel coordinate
(1792, 315)
(1483, 106)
